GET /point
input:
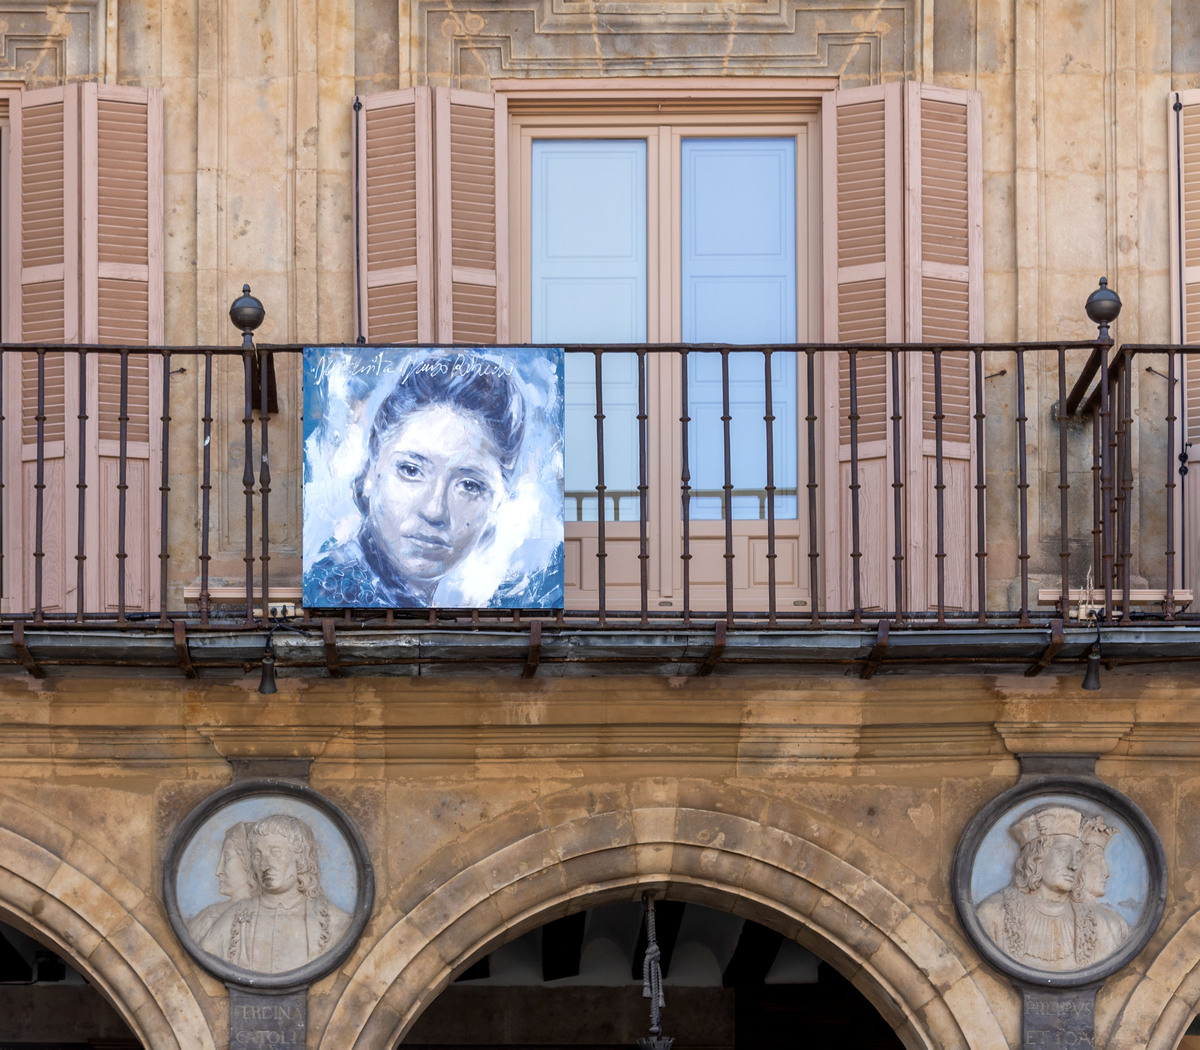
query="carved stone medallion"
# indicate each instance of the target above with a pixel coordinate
(1060, 881)
(268, 884)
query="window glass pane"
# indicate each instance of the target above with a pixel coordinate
(620, 438)
(738, 265)
(588, 284)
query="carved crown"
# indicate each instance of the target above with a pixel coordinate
(1096, 832)
(1049, 820)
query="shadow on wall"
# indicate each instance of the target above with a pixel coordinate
(45, 1002)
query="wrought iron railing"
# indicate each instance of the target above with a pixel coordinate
(1054, 470)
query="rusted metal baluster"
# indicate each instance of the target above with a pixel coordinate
(81, 492)
(939, 486)
(164, 486)
(727, 503)
(39, 486)
(897, 418)
(814, 550)
(1064, 485)
(1172, 418)
(980, 490)
(643, 491)
(1097, 508)
(1182, 460)
(248, 478)
(264, 480)
(1126, 382)
(1022, 488)
(206, 489)
(1117, 509)
(769, 420)
(855, 539)
(1106, 484)
(122, 482)
(602, 510)
(3, 417)
(685, 486)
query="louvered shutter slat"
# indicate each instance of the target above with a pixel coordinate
(1183, 124)
(944, 284)
(863, 159)
(43, 250)
(87, 244)
(471, 221)
(395, 256)
(122, 248)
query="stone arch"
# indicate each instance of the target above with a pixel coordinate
(1160, 1005)
(916, 971)
(69, 897)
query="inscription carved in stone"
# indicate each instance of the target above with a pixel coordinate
(1058, 1020)
(267, 1020)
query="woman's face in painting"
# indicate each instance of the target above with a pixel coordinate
(431, 491)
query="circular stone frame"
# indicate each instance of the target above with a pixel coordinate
(301, 976)
(1087, 791)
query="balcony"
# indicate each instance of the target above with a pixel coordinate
(1003, 507)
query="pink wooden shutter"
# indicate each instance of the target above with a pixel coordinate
(944, 293)
(395, 214)
(1183, 123)
(44, 258)
(470, 136)
(122, 304)
(86, 242)
(862, 158)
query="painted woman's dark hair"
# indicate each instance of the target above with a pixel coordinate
(476, 384)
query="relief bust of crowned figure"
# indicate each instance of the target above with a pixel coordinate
(1048, 916)
(1060, 880)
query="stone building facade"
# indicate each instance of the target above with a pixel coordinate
(799, 794)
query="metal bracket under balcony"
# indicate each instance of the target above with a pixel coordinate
(566, 652)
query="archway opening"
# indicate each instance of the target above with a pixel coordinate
(730, 984)
(46, 1004)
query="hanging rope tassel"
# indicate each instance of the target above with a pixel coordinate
(652, 988)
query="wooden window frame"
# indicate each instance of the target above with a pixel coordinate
(662, 116)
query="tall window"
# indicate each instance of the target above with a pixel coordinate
(668, 211)
(680, 229)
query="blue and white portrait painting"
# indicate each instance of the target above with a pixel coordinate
(433, 478)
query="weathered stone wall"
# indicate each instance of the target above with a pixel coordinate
(825, 809)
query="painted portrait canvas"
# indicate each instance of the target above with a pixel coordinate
(433, 478)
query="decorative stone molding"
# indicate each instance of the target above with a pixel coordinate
(1090, 738)
(44, 44)
(470, 44)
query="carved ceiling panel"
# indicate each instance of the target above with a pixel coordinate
(473, 42)
(44, 44)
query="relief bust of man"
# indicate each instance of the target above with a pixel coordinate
(1048, 917)
(289, 922)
